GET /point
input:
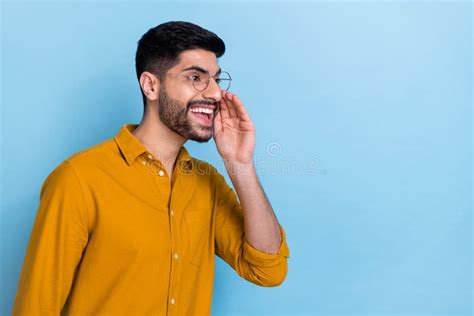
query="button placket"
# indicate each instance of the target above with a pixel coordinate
(175, 252)
(153, 165)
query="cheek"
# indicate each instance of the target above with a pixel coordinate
(182, 93)
(185, 90)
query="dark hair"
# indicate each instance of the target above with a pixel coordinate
(159, 47)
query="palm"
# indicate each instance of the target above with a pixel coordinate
(234, 133)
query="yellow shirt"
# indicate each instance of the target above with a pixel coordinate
(112, 236)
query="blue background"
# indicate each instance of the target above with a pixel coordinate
(364, 137)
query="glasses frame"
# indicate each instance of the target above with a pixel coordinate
(207, 81)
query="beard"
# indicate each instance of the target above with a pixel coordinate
(175, 115)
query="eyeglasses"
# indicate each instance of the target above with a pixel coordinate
(201, 81)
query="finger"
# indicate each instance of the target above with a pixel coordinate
(224, 110)
(231, 106)
(223, 107)
(218, 122)
(240, 108)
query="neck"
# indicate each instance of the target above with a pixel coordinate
(158, 139)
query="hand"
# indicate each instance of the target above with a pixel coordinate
(234, 132)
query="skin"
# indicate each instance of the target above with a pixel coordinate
(164, 130)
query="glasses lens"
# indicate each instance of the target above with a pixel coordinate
(200, 81)
(224, 80)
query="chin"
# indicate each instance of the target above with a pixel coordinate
(200, 135)
(200, 139)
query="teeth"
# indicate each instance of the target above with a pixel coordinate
(201, 110)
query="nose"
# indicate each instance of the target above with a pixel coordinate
(213, 91)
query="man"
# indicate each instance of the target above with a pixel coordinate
(131, 226)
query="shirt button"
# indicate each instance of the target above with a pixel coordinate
(172, 301)
(176, 256)
(172, 213)
(150, 156)
(144, 162)
(161, 173)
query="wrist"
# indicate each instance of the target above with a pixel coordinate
(237, 169)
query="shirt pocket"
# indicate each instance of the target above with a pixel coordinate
(198, 229)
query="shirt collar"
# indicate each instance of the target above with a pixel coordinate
(131, 147)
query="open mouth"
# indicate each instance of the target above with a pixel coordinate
(203, 114)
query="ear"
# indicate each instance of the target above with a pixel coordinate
(150, 85)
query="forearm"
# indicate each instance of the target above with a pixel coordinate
(261, 225)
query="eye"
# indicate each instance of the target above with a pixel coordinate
(194, 77)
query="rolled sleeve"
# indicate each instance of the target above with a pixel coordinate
(263, 259)
(258, 267)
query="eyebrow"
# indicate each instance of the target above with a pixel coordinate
(200, 69)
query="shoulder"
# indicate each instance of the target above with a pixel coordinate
(208, 172)
(89, 158)
(93, 154)
(203, 168)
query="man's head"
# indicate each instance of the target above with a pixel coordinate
(170, 58)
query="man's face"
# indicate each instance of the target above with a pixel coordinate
(181, 106)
